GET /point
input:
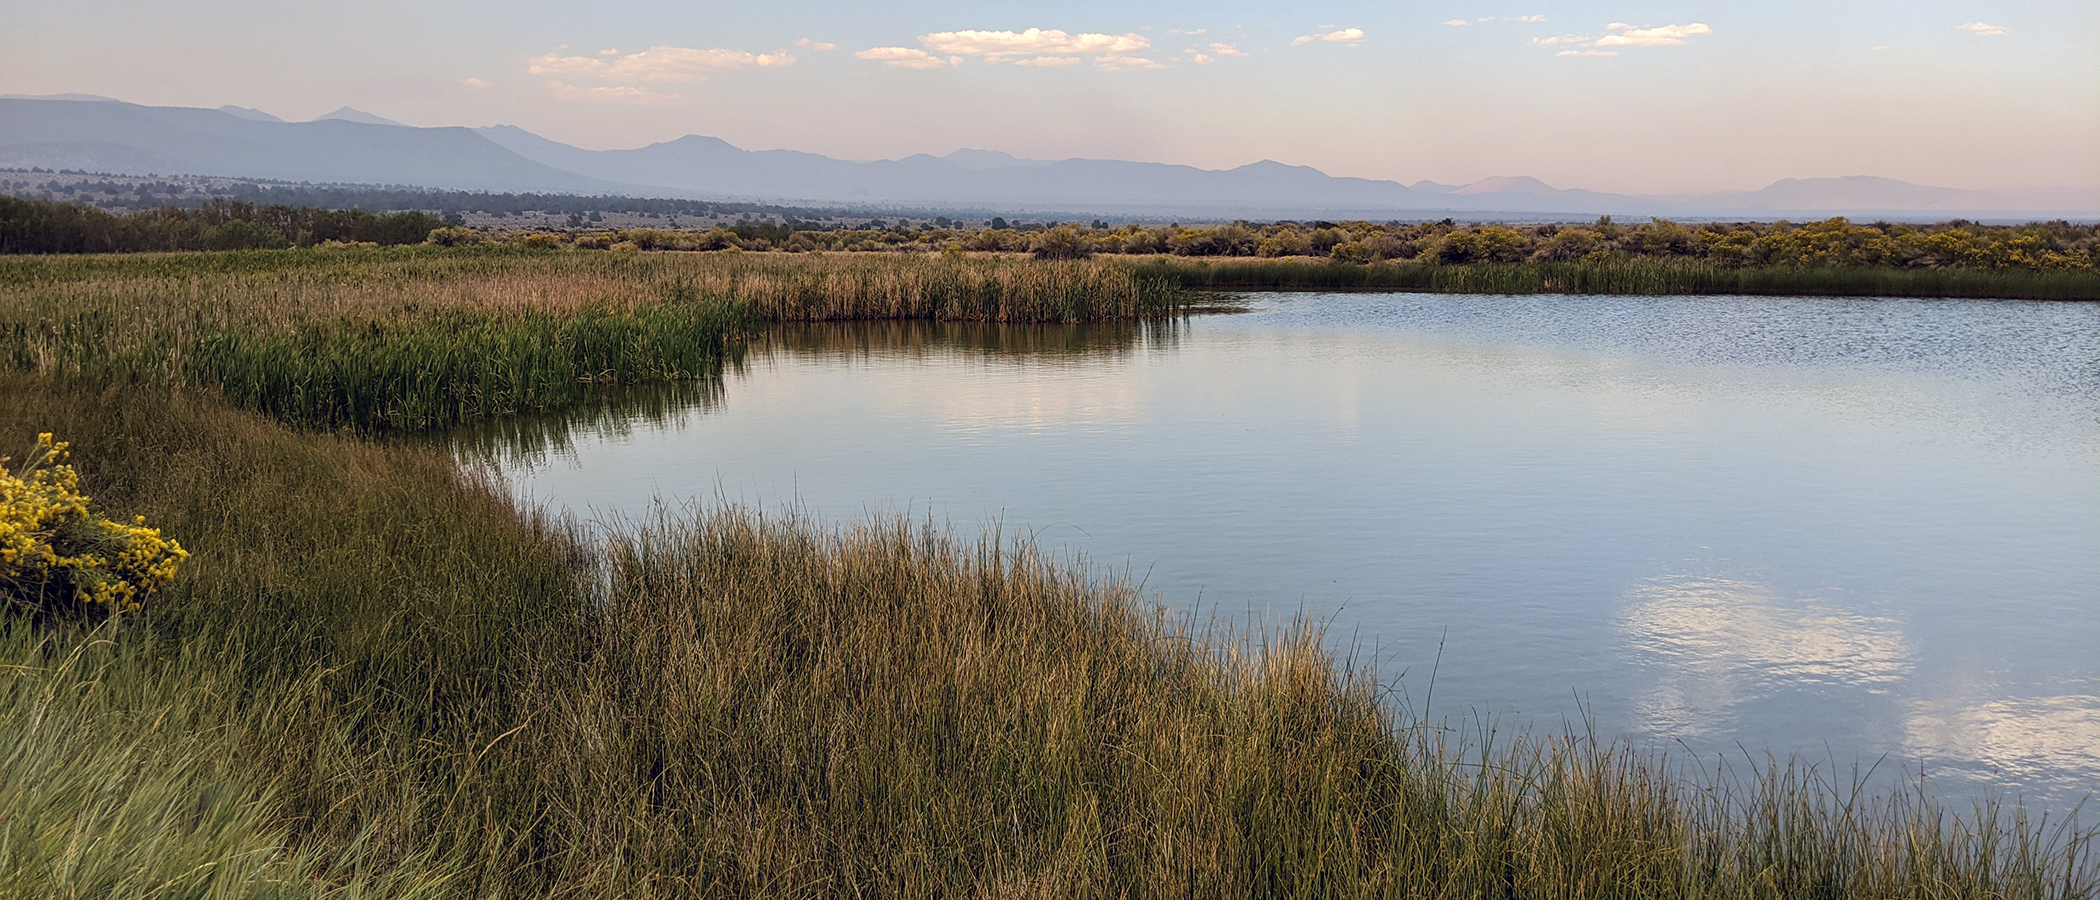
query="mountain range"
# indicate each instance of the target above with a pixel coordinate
(350, 146)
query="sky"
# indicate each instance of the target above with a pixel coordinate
(1614, 95)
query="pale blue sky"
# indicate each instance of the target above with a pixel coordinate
(1699, 96)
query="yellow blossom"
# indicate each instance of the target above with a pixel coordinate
(53, 549)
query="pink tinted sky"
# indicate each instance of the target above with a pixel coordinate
(1622, 96)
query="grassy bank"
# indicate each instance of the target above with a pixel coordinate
(1623, 276)
(420, 337)
(376, 678)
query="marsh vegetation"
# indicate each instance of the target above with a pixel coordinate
(378, 677)
(419, 337)
(2043, 260)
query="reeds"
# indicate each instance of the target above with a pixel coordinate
(1623, 276)
(378, 678)
(414, 338)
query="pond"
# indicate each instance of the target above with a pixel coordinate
(1862, 531)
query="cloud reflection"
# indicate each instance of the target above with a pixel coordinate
(2033, 739)
(1720, 643)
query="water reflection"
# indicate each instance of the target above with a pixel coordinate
(993, 342)
(532, 439)
(2020, 740)
(1716, 643)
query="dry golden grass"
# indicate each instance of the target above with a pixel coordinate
(421, 337)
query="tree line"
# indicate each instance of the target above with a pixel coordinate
(44, 226)
(1830, 243)
(114, 192)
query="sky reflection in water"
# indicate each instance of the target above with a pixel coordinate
(1852, 529)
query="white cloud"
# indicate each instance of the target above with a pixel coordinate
(610, 51)
(1537, 18)
(819, 46)
(1349, 36)
(1035, 47)
(1192, 32)
(1000, 46)
(903, 57)
(656, 65)
(1620, 34)
(475, 82)
(1982, 30)
(566, 66)
(1224, 49)
(1202, 59)
(611, 94)
(1455, 23)
(1624, 35)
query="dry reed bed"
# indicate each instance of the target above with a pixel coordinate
(422, 337)
(285, 288)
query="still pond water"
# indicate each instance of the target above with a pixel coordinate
(1859, 530)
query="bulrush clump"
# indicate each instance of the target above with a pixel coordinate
(416, 338)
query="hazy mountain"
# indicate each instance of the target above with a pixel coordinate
(131, 139)
(350, 145)
(706, 165)
(89, 98)
(247, 113)
(347, 114)
(1864, 192)
(1507, 184)
(988, 160)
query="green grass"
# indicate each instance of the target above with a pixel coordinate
(377, 678)
(1629, 276)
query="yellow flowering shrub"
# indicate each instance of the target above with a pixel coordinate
(54, 550)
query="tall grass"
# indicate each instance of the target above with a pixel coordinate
(777, 287)
(378, 678)
(129, 768)
(1627, 276)
(413, 338)
(102, 801)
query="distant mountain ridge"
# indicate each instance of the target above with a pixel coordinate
(131, 139)
(350, 145)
